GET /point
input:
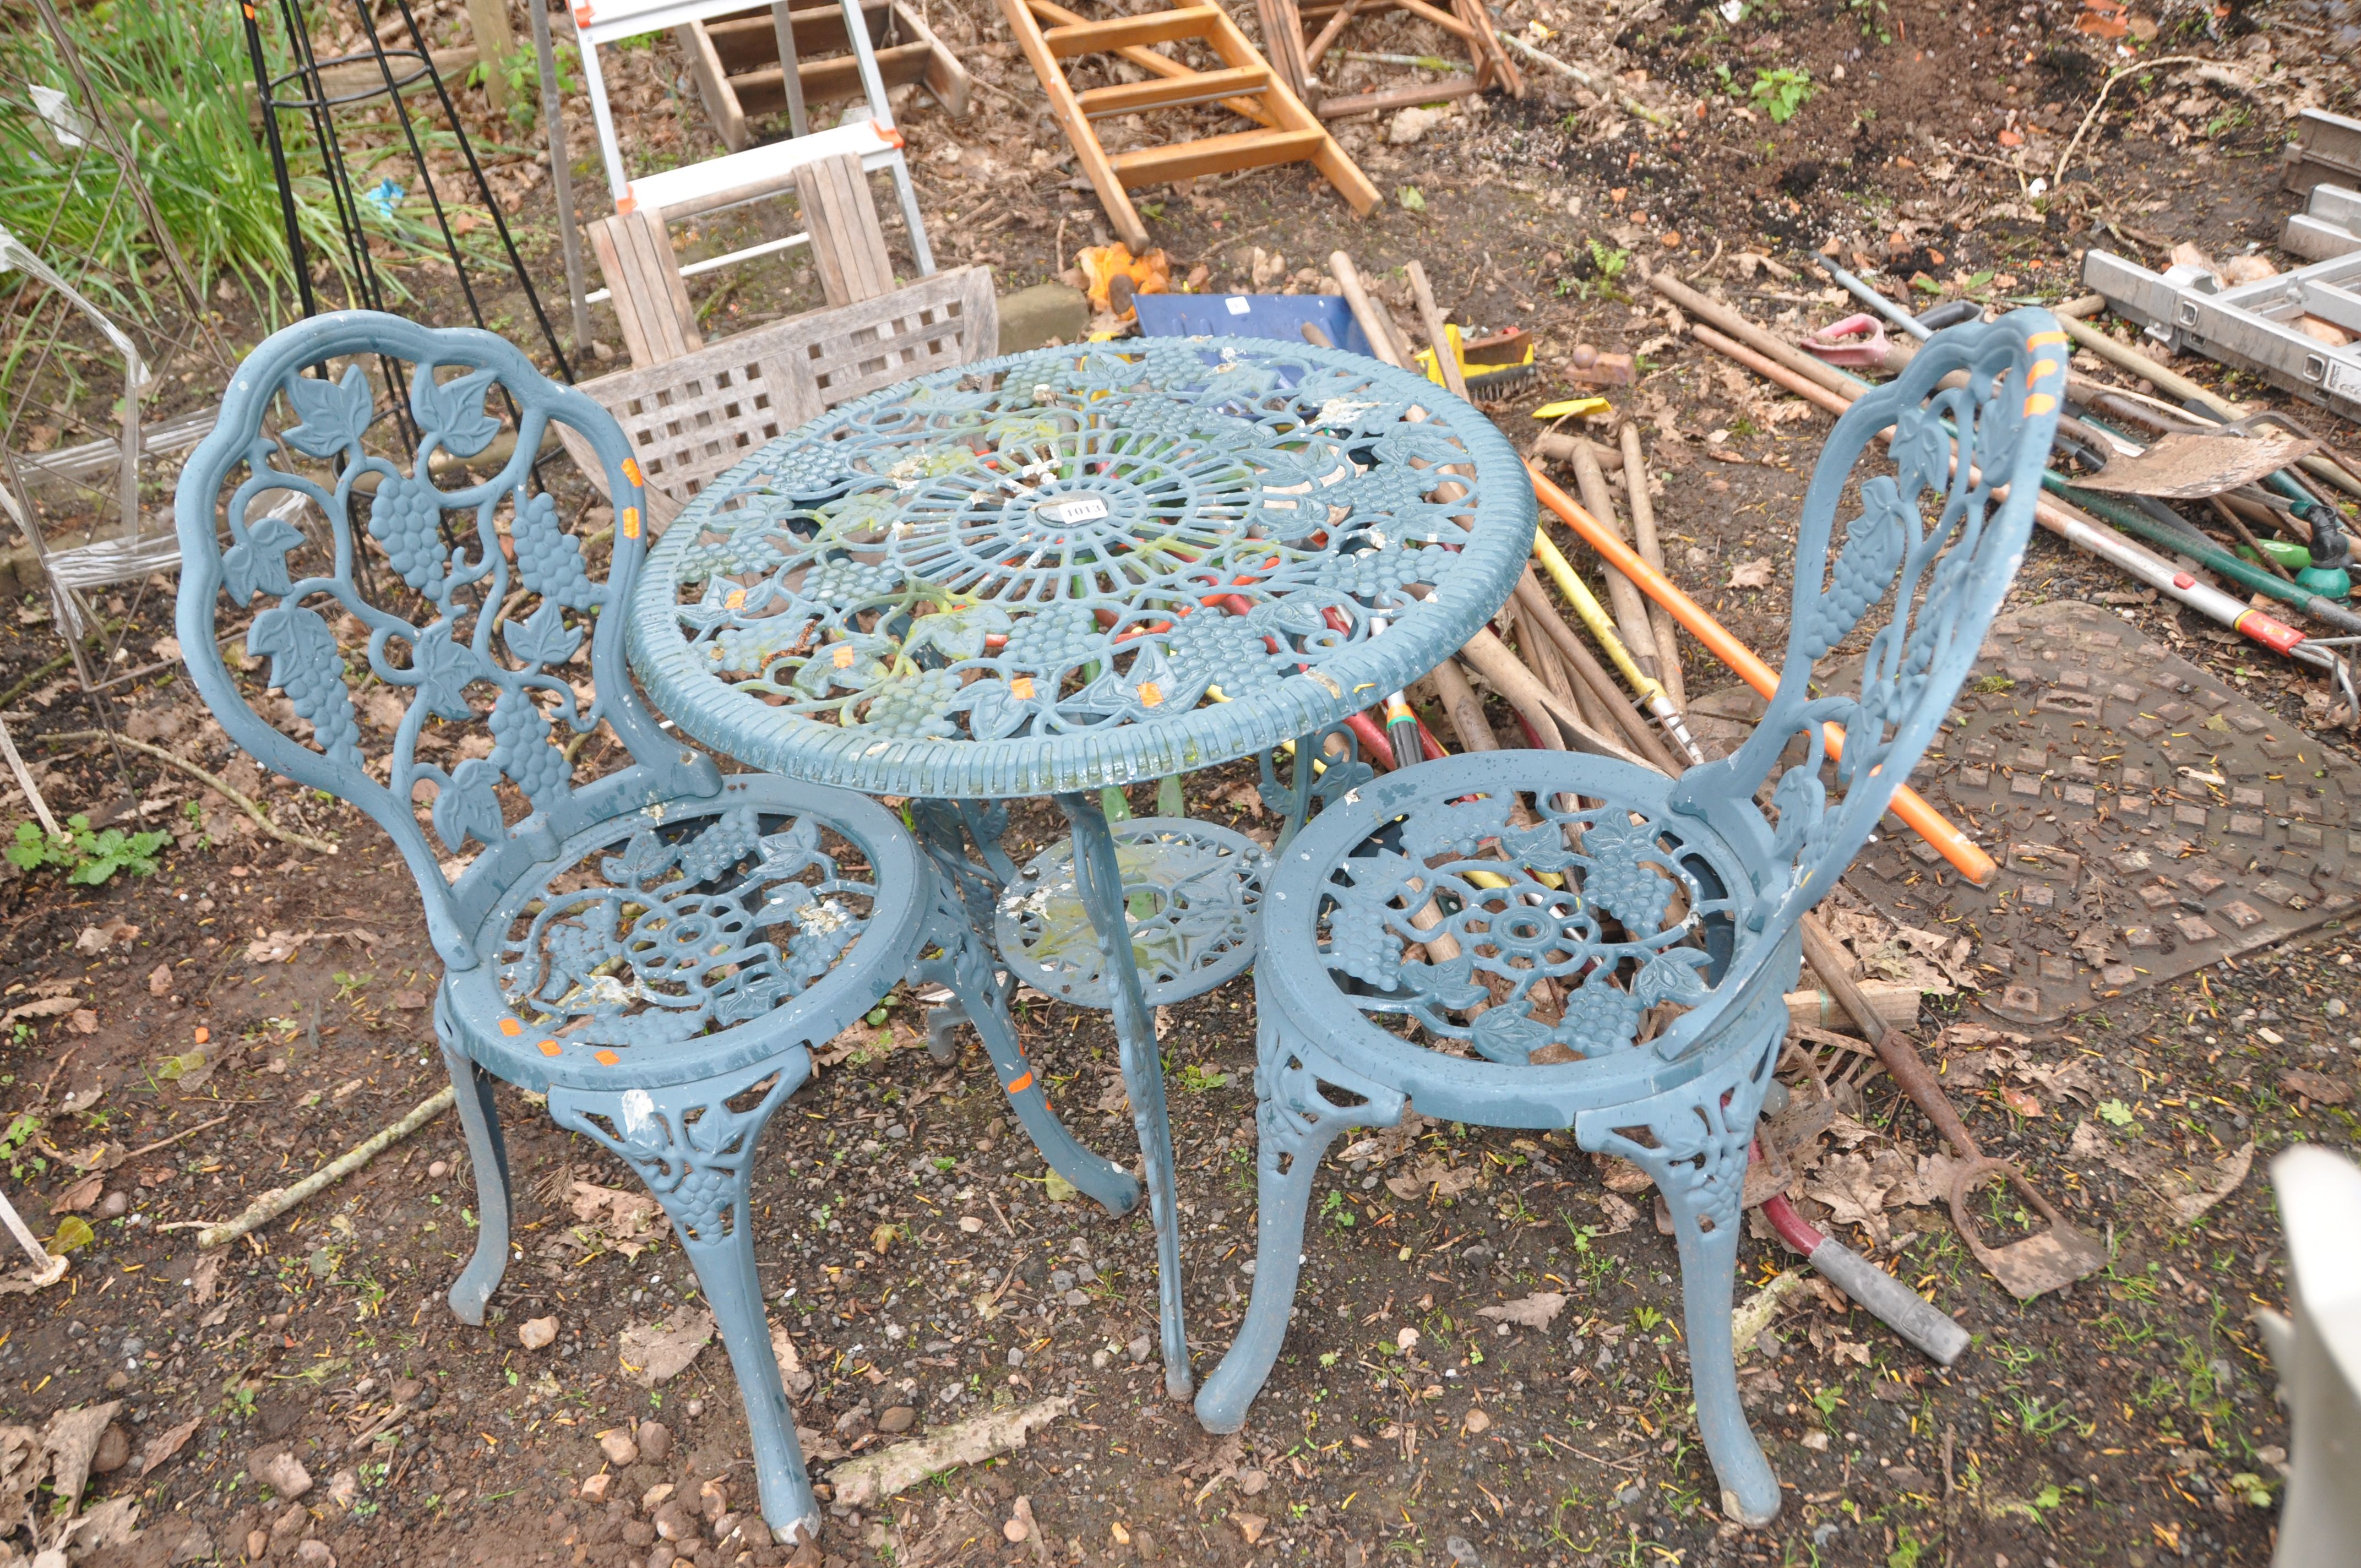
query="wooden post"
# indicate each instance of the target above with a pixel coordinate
(489, 20)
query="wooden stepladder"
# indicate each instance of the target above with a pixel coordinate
(1298, 53)
(1285, 131)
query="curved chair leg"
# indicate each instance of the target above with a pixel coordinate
(942, 1026)
(1294, 1123)
(965, 965)
(696, 1156)
(1698, 1162)
(479, 1119)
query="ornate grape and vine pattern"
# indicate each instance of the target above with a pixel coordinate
(682, 927)
(497, 600)
(1942, 580)
(1528, 932)
(1075, 540)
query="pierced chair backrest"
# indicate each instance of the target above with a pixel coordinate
(1987, 395)
(433, 624)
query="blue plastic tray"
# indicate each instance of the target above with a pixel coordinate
(1277, 316)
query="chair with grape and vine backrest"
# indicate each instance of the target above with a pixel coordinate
(653, 944)
(1550, 939)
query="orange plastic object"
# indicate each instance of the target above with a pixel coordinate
(1922, 819)
(1103, 264)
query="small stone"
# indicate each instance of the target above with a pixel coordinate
(693, 1408)
(1479, 1422)
(675, 1522)
(655, 1441)
(618, 1448)
(1015, 1532)
(537, 1333)
(897, 1419)
(1250, 1526)
(713, 1502)
(970, 1223)
(113, 1452)
(344, 1489)
(257, 1542)
(439, 1169)
(114, 1205)
(1817, 1441)
(1251, 1480)
(315, 1554)
(281, 1471)
(594, 1487)
(1139, 1348)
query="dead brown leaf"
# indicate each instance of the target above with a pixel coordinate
(1433, 1177)
(1534, 1312)
(652, 1352)
(101, 938)
(164, 1444)
(1755, 574)
(81, 1195)
(2316, 1086)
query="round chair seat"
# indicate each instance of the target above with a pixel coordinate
(662, 945)
(1511, 938)
(1192, 890)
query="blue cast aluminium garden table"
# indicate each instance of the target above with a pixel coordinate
(1067, 571)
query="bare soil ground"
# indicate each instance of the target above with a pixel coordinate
(2127, 1420)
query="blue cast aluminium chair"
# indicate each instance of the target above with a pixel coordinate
(650, 944)
(1549, 939)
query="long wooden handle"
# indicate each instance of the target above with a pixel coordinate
(1922, 819)
(1435, 335)
(1366, 311)
(1893, 1048)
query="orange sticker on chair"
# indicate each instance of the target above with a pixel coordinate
(511, 1028)
(632, 471)
(631, 522)
(1021, 688)
(606, 1058)
(737, 599)
(1151, 695)
(843, 656)
(2039, 403)
(549, 1047)
(1021, 1085)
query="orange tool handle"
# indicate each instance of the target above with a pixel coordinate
(1908, 805)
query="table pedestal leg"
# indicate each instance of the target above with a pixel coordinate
(1099, 880)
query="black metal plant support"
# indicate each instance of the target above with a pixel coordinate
(313, 101)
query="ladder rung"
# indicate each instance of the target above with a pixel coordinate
(1174, 92)
(1214, 155)
(1130, 32)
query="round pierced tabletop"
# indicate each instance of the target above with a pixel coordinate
(1077, 567)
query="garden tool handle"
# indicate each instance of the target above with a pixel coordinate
(1893, 1048)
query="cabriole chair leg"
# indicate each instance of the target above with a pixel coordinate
(1294, 1124)
(479, 1119)
(696, 1156)
(1698, 1161)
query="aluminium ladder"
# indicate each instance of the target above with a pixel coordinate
(737, 178)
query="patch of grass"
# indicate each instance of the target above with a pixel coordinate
(174, 79)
